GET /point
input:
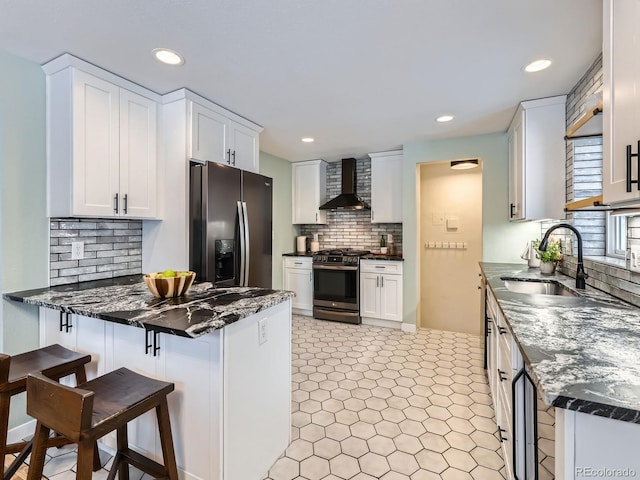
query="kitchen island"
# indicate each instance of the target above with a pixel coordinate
(582, 354)
(228, 351)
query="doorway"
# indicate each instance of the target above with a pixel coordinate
(450, 234)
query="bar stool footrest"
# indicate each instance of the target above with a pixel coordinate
(147, 465)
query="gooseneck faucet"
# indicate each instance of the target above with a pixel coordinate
(581, 276)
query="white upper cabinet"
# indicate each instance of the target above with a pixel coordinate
(101, 143)
(217, 137)
(386, 187)
(537, 155)
(309, 191)
(621, 99)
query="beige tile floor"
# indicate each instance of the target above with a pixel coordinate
(375, 403)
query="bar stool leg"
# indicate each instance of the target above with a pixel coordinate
(85, 460)
(166, 440)
(81, 377)
(123, 445)
(5, 400)
(38, 454)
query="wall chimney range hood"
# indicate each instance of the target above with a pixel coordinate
(347, 200)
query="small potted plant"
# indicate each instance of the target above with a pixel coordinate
(550, 257)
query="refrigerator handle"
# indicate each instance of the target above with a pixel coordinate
(242, 244)
(246, 244)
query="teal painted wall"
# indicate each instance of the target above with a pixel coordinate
(502, 241)
(23, 223)
(284, 232)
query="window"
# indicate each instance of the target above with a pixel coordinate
(616, 236)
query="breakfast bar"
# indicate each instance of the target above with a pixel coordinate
(224, 348)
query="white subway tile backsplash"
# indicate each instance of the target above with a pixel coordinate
(112, 248)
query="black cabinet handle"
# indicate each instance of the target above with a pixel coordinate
(502, 330)
(500, 432)
(629, 157)
(229, 157)
(156, 343)
(147, 343)
(512, 212)
(115, 203)
(126, 202)
(65, 325)
(500, 375)
(234, 158)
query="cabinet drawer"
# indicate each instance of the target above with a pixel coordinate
(381, 266)
(298, 262)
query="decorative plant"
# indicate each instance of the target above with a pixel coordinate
(553, 252)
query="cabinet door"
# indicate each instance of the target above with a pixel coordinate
(243, 143)
(386, 189)
(194, 365)
(391, 297)
(90, 338)
(300, 280)
(138, 155)
(516, 166)
(51, 330)
(128, 350)
(96, 152)
(621, 96)
(208, 142)
(308, 193)
(370, 295)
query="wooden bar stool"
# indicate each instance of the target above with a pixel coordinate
(54, 362)
(93, 409)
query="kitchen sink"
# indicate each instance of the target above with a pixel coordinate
(537, 287)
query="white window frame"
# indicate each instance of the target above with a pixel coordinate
(616, 235)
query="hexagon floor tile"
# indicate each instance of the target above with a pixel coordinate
(372, 402)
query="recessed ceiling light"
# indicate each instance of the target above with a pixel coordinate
(445, 118)
(308, 140)
(170, 57)
(537, 65)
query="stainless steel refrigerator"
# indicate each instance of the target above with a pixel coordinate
(231, 222)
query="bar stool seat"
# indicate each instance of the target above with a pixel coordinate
(93, 409)
(54, 362)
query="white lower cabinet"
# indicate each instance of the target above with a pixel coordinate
(381, 292)
(298, 278)
(215, 417)
(504, 366)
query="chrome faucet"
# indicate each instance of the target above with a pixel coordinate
(581, 276)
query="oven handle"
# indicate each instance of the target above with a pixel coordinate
(334, 267)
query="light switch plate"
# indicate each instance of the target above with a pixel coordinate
(634, 258)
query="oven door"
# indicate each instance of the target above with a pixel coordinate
(336, 286)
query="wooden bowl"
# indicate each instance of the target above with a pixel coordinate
(163, 287)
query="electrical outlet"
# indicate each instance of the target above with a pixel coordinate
(634, 258)
(77, 250)
(262, 331)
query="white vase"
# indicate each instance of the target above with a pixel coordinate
(547, 268)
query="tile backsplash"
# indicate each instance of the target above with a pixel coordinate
(352, 228)
(112, 248)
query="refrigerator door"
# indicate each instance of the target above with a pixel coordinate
(214, 252)
(257, 195)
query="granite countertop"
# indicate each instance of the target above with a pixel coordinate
(582, 351)
(380, 256)
(127, 300)
(298, 254)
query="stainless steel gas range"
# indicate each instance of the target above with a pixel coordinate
(336, 292)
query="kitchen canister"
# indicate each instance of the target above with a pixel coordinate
(301, 244)
(315, 243)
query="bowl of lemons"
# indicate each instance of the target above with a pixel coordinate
(169, 283)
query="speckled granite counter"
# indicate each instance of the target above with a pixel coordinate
(298, 254)
(582, 351)
(127, 300)
(380, 256)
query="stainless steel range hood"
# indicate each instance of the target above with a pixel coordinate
(347, 200)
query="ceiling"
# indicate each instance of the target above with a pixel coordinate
(357, 75)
